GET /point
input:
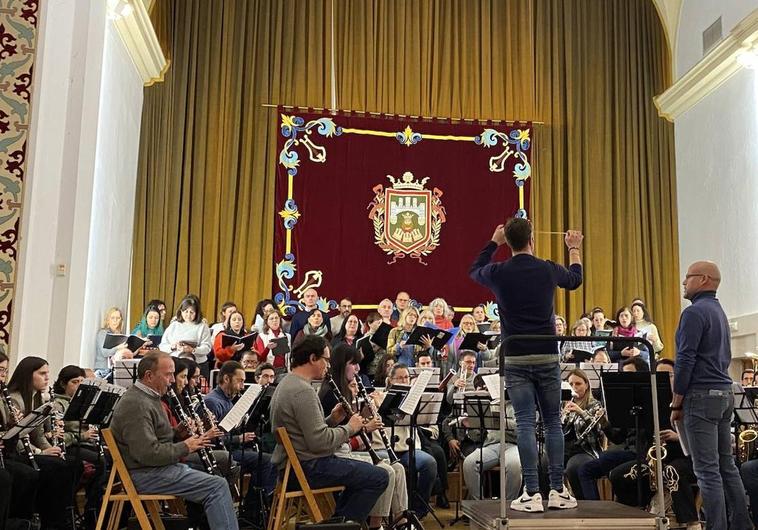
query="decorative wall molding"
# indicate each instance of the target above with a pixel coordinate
(669, 12)
(138, 34)
(712, 70)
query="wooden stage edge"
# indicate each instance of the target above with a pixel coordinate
(588, 514)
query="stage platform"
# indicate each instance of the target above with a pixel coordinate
(589, 514)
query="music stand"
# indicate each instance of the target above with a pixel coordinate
(259, 417)
(125, 372)
(28, 423)
(631, 407)
(415, 370)
(483, 417)
(744, 404)
(425, 414)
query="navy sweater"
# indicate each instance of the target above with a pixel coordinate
(703, 351)
(524, 287)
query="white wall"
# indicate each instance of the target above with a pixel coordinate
(695, 17)
(79, 196)
(717, 172)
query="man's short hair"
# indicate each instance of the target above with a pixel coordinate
(518, 233)
(746, 371)
(248, 352)
(310, 345)
(264, 366)
(466, 353)
(229, 368)
(150, 362)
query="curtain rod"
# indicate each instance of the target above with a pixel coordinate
(319, 109)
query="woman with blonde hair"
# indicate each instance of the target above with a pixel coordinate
(113, 324)
(396, 342)
(467, 325)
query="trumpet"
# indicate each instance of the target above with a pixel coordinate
(464, 376)
(375, 414)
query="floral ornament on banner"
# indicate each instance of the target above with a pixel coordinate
(18, 36)
(519, 140)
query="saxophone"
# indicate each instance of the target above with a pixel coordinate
(374, 414)
(16, 416)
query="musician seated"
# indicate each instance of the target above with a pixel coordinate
(464, 379)
(81, 440)
(146, 442)
(250, 361)
(748, 377)
(635, 364)
(231, 383)
(226, 465)
(343, 369)
(678, 476)
(486, 455)
(296, 407)
(426, 465)
(424, 360)
(265, 375)
(583, 442)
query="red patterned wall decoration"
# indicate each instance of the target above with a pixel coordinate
(18, 37)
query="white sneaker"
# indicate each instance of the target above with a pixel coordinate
(527, 503)
(562, 500)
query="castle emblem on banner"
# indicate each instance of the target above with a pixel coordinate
(407, 218)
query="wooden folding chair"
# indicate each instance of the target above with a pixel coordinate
(121, 490)
(319, 503)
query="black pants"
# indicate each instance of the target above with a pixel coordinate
(435, 449)
(95, 486)
(23, 492)
(682, 495)
(58, 479)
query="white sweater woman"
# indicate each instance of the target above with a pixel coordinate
(190, 332)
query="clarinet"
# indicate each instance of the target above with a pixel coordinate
(374, 414)
(207, 416)
(58, 440)
(185, 420)
(15, 413)
(349, 411)
(193, 415)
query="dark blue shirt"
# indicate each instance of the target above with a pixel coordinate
(218, 403)
(524, 287)
(703, 350)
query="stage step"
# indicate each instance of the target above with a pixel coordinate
(589, 514)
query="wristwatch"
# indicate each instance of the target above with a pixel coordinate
(672, 407)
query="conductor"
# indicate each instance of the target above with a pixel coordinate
(524, 287)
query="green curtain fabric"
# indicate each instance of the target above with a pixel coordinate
(603, 161)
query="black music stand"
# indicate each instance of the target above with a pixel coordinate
(428, 409)
(259, 418)
(631, 407)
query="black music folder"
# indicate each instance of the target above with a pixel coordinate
(440, 337)
(471, 341)
(381, 335)
(282, 345)
(230, 340)
(133, 342)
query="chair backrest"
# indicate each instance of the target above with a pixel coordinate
(119, 467)
(294, 463)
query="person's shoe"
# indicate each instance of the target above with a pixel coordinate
(442, 501)
(528, 503)
(562, 500)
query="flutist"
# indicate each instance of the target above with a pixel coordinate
(296, 407)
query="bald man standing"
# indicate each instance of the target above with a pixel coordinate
(703, 398)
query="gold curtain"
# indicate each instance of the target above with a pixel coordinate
(603, 161)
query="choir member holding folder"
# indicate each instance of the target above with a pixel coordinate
(273, 344)
(113, 323)
(150, 324)
(397, 341)
(189, 334)
(233, 339)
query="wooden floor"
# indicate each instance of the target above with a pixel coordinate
(589, 514)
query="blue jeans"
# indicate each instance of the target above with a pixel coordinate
(426, 469)
(707, 417)
(530, 387)
(364, 483)
(248, 461)
(593, 469)
(749, 472)
(195, 486)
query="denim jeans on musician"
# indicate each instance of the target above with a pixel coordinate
(591, 470)
(426, 473)
(364, 483)
(248, 460)
(707, 419)
(195, 486)
(531, 386)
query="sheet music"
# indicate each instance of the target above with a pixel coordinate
(242, 407)
(492, 382)
(410, 402)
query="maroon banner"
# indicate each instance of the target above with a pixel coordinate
(366, 207)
